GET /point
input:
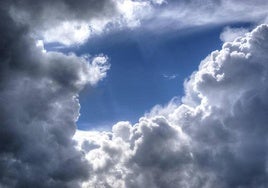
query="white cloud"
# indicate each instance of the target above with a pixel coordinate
(68, 33)
(216, 137)
(230, 34)
(132, 12)
(170, 77)
(98, 69)
(177, 15)
(40, 44)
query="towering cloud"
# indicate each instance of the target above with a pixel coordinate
(217, 136)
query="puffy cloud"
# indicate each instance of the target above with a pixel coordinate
(215, 137)
(39, 107)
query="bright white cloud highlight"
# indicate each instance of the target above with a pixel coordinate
(97, 69)
(230, 34)
(68, 33)
(132, 12)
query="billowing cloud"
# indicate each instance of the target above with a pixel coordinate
(39, 108)
(216, 136)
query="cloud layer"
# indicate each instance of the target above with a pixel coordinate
(216, 137)
(193, 13)
(72, 23)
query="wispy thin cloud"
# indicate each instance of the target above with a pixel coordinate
(170, 76)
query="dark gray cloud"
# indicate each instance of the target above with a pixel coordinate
(39, 108)
(64, 21)
(217, 137)
(48, 13)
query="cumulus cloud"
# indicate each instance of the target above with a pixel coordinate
(39, 107)
(215, 137)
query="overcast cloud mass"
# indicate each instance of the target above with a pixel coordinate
(216, 136)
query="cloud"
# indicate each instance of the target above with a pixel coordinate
(63, 21)
(215, 137)
(70, 23)
(39, 107)
(68, 33)
(179, 15)
(230, 34)
(170, 77)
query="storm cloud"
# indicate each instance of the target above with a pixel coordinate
(39, 108)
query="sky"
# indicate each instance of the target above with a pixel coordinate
(133, 94)
(147, 69)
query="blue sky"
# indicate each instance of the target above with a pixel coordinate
(146, 69)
